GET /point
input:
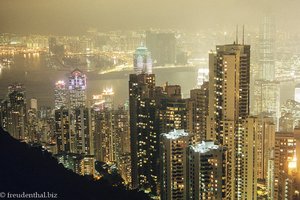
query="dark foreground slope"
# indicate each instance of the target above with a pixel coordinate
(32, 170)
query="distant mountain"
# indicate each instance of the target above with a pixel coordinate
(30, 170)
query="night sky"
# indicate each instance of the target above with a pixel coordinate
(76, 16)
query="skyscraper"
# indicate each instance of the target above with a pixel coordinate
(173, 156)
(267, 99)
(64, 131)
(105, 140)
(207, 171)
(197, 107)
(83, 131)
(172, 109)
(144, 135)
(266, 90)
(266, 49)
(15, 114)
(60, 95)
(284, 166)
(142, 61)
(77, 89)
(265, 146)
(229, 80)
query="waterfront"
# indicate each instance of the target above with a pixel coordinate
(32, 71)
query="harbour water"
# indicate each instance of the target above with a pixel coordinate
(39, 79)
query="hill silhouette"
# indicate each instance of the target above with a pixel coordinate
(30, 170)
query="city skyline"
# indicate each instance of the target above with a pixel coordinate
(165, 100)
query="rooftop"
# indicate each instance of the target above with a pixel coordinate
(204, 147)
(175, 134)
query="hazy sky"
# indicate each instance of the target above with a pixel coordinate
(76, 16)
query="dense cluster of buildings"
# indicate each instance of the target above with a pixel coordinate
(225, 140)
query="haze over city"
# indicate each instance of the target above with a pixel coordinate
(72, 17)
(150, 99)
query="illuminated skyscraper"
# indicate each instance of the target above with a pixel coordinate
(142, 61)
(122, 137)
(144, 131)
(229, 80)
(266, 49)
(173, 158)
(285, 166)
(266, 90)
(77, 89)
(267, 99)
(265, 145)
(14, 112)
(172, 109)
(83, 131)
(64, 131)
(206, 171)
(198, 111)
(105, 140)
(60, 95)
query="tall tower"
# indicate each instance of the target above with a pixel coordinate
(16, 113)
(206, 167)
(173, 157)
(144, 136)
(142, 62)
(229, 81)
(266, 90)
(266, 49)
(83, 128)
(77, 89)
(60, 95)
(172, 110)
(198, 111)
(64, 131)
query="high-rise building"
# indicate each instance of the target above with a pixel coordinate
(105, 138)
(267, 49)
(197, 107)
(172, 109)
(162, 47)
(142, 61)
(83, 130)
(229, 80)
(77, 89)
(144, 132)
(267, 99)
(206, 171)
(265, 146)
(285, 166)
(246, 159)
(173, 158)
(64, 131)
(16, 114)
(60, 95)
(122, 136)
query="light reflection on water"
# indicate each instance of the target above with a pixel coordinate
(39, 80)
